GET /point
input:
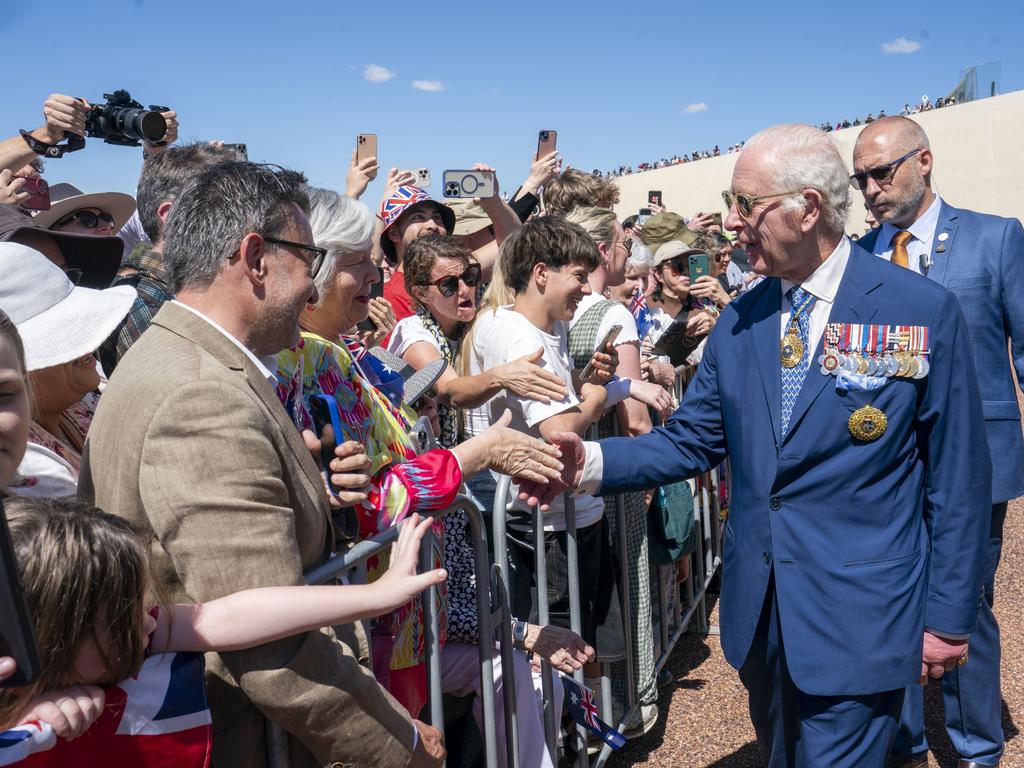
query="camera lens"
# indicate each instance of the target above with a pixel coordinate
(151, 125)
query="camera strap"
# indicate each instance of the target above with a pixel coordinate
(74, 143)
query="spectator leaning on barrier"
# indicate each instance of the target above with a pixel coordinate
(193, 392)
(980, 258)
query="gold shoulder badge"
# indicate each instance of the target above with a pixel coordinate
(867, 423)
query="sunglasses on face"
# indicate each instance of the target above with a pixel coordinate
(449, 285)
(882, 174)
(745, 203)
(678, 265)
(87, 219)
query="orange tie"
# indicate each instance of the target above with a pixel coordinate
(900, 256)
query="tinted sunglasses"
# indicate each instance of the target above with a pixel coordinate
(880, 173)
(745, 203)
(449, 285)
(87, 219)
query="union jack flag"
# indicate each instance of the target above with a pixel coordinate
(400, 199)
(158, 719)
(583, 711)
(641, 313)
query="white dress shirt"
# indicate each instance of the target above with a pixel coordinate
(823, 284)
(919, 249)
(266, 366)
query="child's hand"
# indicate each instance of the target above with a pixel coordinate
(69, 711)
(401, 580)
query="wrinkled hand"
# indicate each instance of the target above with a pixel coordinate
(430, 751)
(11, 192)
(63, 114)
(401, 580)
(525, 378)
(562, 648)
(350, 471)
(652, 395)
(514, 453)
(699, 323)
(659, 372)
(383, 317)
(171, 136)
(543, 170)
(940, 656)
(573, 457)
(69, 711)
(700, 221)
(605, 364)
(708, 287)
(360, 175)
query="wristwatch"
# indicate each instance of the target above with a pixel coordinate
(519, 629)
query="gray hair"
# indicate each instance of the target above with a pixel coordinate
(340, 224)
(640, 256)
(803, 157)
(219, 208)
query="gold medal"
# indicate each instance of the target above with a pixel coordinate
(791, 349)
(867, 423)
(904, 359)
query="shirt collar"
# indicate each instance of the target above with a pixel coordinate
(823, 283)
(267, 366)
(923, 229)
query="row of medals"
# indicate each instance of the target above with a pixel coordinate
(900, 363)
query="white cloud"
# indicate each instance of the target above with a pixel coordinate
(433, 86)
(374, 73)
(697, 106)
(901, 45)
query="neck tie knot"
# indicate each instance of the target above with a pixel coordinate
(901, 238)
(900, 255)
(799, 298)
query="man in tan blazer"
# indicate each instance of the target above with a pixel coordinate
(191, 444)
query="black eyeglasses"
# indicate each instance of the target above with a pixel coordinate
(87, 219)
(449, 285)
(880, 173)
(745, 203)
(314, 263)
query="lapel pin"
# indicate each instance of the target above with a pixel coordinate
(943, 236)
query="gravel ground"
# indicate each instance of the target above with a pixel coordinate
(704, 720)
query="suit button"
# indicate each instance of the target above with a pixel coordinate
(765, 557)
(775, 504)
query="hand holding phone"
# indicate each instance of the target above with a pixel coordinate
(609, 338)
(654, 197)
(38, 193)
(698, 264)
(366, 146)
(547, 142)
(643, 216)
(470, 184)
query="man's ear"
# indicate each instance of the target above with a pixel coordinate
(814, 209)
(253, 255)
(163, 211)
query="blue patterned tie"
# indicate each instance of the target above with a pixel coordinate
(793, 378)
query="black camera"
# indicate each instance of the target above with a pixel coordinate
(124, 121)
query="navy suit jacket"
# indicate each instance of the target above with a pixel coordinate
(982, 263)
(870, 542)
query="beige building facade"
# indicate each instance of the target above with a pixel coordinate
(979, 164)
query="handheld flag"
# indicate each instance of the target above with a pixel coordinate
(584, 712)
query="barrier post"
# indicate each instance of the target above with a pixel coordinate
(575, 612)
(541, 566)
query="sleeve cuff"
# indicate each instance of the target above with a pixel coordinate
(618, 390)
(593, 469)
(946, 635)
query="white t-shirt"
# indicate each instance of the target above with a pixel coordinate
(498, 338)
(617, 315)
(409, 330)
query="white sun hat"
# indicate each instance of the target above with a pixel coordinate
(58, 321)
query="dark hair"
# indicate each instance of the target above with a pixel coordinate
(549, 240)
(9, 331)
(80, 569)
(424, 251)
(629, 222)
(220, 207)
(164, 175)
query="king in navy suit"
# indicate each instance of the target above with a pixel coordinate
(844, 392)
(980, 259)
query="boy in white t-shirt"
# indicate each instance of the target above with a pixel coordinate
(546, 265)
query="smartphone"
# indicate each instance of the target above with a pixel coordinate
(366, 146)
(654, 197)
(423, 177)
(17, 637)
(327, 425)
(376, 291)
(546, 143)
(716, 219)
(643, 216)
(609, 338)
(469, 184)
(241, 149)
(698, 263)
(39, 193)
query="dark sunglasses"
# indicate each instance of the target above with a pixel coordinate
(880, 173)
(745, 203)
(449, 285)
(679, 265)
(87, 219)
(314, 262)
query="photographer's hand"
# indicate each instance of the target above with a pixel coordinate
(171, 118)
(360, 174)
(63, 114)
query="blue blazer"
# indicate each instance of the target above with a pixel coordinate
(982, 263)
(870, 542)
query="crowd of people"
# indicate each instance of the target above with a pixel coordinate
(166, 361)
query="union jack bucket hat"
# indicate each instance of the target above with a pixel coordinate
(400, 201)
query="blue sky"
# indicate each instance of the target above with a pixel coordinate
(614, 79)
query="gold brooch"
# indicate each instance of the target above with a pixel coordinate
(867, 423)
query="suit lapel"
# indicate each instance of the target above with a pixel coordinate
(766, 350)
(852, 305)
(942, 247)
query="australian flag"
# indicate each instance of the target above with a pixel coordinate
(158, 719)
(583, 711)
(641, 313)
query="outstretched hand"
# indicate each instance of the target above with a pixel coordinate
(401, 580)
(572, 458)
(524, 377)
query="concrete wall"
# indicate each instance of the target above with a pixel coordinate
(979, 164)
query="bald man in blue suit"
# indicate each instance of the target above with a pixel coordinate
(853, 549)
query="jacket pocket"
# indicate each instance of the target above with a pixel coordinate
(883, 561)
(999, 410)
